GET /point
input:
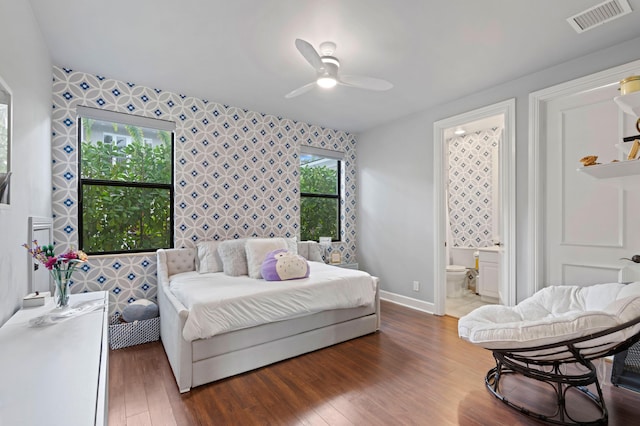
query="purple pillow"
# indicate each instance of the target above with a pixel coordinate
(281, 265)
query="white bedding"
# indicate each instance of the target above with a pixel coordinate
(219, 303)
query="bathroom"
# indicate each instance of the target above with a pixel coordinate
(474, 246)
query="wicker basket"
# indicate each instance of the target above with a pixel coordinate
(125, 334)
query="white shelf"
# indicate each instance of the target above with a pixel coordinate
(629, 103)
(623, 173)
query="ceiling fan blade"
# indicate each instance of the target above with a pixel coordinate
(310, 54)
(362, 82)
(300, 90)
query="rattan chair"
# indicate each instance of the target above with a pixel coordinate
(555, 341)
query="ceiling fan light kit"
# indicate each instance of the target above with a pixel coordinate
(327, 66)
(326, 82)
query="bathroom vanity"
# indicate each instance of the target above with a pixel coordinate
(488, 285)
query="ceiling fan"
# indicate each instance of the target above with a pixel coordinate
(326, 67)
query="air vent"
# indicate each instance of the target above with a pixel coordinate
(599, 14)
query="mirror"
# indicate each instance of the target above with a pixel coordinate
(5, 142)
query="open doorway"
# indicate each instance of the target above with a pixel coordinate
(474, 204)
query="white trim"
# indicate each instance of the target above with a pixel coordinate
(409, 302)
(537, 130)
(563, 269)
(508, 200)
(321, 152)
(121, 118)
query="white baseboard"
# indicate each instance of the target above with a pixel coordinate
(409, 302)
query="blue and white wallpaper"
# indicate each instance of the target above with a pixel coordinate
(470, 189)
(236, 175)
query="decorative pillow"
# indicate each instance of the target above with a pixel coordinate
(315, 252)
(281, 265)
(208, 259)
(303, 249)
(139, 310)
(310, 250)
(257, 249)
(292, 244)
(233, 256)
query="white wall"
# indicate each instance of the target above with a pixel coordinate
(26, 67)
(395, 171)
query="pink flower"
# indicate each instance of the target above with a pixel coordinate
(45, 255)
(68, 256)
(51, 262)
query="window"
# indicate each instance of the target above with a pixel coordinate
(319, 194)
(125, 187)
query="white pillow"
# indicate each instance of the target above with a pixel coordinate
(257, 249)
(315, 252)
(233, 256)
(310, 250)
(292, 245)
(208, 258)
(303, 249)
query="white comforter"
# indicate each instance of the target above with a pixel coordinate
(218, 303)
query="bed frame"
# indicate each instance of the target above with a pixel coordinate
(207, 360)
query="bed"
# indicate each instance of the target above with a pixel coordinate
(197, 358)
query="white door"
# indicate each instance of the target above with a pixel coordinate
(589, 223)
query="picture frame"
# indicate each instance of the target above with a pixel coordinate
(335, 258)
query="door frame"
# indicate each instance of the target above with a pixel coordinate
(537, 140)
(508, 208)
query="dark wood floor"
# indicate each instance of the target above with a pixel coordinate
(414, 371)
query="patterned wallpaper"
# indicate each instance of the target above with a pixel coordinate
(470, 187)
(236, 175)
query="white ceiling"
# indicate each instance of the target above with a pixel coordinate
(242, 52)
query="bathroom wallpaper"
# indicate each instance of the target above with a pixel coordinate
(236, 175)
(470, 187)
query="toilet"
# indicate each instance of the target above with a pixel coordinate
(456, 276)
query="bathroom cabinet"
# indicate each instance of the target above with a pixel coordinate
(489, 275)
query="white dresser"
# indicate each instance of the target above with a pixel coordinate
(55, 375)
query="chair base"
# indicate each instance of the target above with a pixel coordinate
(560, 381)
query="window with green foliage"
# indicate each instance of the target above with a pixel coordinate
(319, 197)
(125, 187)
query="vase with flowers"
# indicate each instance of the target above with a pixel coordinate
(61, 268)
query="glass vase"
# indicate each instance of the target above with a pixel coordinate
(62, 291)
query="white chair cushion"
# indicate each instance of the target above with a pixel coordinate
(554, 314)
